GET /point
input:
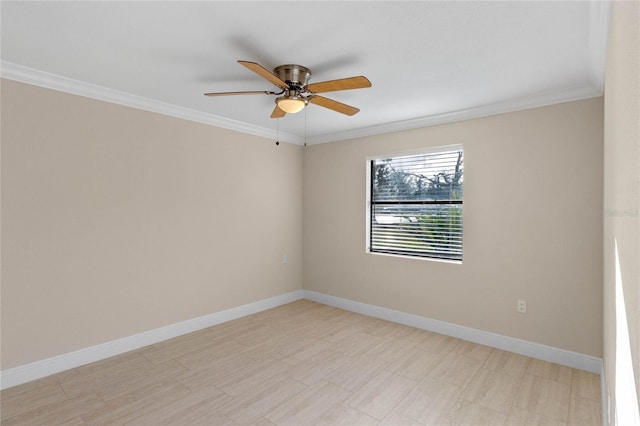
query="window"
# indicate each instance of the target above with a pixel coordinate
(415, 206)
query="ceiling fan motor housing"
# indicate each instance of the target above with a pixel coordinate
(296, 76)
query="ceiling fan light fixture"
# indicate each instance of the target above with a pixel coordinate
(291, 104)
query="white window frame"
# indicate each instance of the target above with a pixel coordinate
(369, 159)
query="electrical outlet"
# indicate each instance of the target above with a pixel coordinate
(285, 259)
(522, 306)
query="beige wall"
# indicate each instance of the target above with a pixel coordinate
(117, 221)
(532, 227)
(622, 205)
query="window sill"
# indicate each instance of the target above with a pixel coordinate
(402, 256)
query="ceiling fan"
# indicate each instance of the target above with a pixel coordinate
(296, 92)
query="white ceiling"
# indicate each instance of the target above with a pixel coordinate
(429, 62)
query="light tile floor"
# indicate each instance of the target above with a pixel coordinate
(309, 364)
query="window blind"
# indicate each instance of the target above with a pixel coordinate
(416, 205)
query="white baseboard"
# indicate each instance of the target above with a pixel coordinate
(39, 369)
(46, 367)
(511, 344)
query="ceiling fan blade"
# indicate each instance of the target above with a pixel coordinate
(255, 92)
(265, 73)
(359, 82)
(277, 113)
(333, 105)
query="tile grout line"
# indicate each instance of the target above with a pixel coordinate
(520, 384)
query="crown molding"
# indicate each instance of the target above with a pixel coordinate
(48, 80)
(569, 94)
(35, 77)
